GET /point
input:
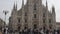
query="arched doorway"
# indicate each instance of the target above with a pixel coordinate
(35, 31)
(19, 30)
(35, 26)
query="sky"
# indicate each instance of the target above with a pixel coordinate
(7, 5)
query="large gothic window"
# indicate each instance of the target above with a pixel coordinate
(34, 15)
(35, 6)
(19, 20)
(49, 20)
(43, 20)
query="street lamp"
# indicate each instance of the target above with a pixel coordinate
(5, 12)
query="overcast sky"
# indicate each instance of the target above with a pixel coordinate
(8, 5)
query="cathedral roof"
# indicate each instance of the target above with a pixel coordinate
(44, 10)
(20, 11)
(26, 7)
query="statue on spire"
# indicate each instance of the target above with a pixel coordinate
(46, 5)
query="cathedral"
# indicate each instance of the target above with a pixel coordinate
(33, 16)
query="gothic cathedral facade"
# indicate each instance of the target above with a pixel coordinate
(33, 15)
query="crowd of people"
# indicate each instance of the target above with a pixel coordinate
(35, 31)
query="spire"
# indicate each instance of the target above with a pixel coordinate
(46, 2)
(47, 15)
(53, 9)
(23, 13)
(22, 3)
(14, 6)
(46, 5)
